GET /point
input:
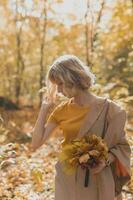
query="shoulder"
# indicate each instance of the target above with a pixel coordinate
(115, 109)
(60, 107)
(57, 113)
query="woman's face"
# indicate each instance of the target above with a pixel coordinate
(66, 89)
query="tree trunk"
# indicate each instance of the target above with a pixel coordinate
(42, 46)
(20, 65)
(91, 26)
(87, 34)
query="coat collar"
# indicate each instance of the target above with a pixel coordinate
(95, 110)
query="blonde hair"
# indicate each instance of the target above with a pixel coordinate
(71, 71)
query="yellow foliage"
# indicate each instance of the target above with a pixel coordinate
(36, 175)
(88, 149)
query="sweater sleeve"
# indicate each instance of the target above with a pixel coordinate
(56, 114)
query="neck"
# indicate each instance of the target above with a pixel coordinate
(83, 98)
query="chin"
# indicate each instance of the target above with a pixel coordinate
(67, 95)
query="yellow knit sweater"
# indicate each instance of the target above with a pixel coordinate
(69, 116)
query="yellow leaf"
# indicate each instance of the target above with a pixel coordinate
(37, 175)
(94, 153)
(84, 158)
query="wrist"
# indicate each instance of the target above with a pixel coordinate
(110, 159)
(45, 107)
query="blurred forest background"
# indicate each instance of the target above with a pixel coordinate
(33, 33)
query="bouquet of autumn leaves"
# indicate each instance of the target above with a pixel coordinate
(85, 152)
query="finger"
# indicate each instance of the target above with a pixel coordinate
(96, 169)
(95, 173)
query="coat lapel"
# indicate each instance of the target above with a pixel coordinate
(92, 115)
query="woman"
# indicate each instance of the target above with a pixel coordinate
(71, 78)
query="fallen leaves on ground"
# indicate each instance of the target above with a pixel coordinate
(27, 175)
(30, 175)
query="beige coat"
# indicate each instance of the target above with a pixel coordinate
(101, 187)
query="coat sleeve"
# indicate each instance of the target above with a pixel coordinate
(118, 144)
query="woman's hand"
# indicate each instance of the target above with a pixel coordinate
(98, 168)
(49, 98)
(47, 103)
(102, 164)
